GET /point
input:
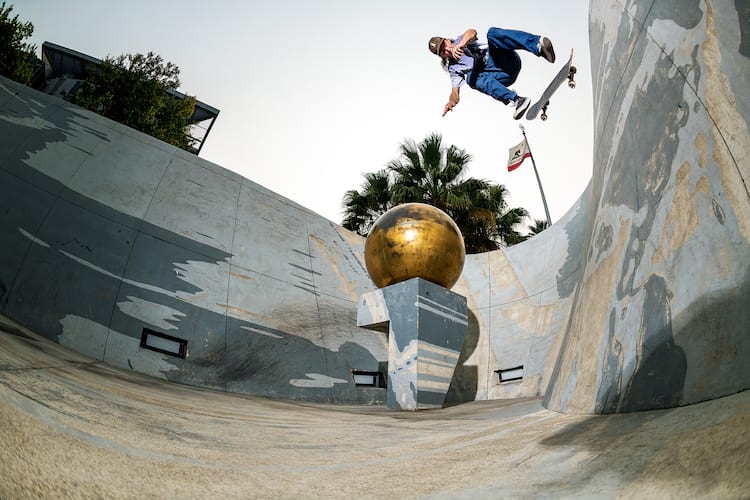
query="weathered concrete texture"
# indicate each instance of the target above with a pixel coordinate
(634, 300)
(637, 298)
(519, 300)
(107, 231)
(427, 327)
(73, 427)
(660, 316)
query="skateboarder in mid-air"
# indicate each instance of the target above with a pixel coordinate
(489, 67)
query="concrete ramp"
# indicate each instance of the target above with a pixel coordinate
(660, 316)
(73, 427)
(150, 259)
(108, 233)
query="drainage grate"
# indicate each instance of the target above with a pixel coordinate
(364, 378)
(163, 343)
(506, 375)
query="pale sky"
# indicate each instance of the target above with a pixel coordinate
(312, 94)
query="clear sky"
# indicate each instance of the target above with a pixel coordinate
(312, 94)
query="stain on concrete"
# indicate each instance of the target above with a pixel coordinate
(743, 15)
(686, 13)
(644, 307)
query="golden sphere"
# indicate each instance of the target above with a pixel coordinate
(414, 240)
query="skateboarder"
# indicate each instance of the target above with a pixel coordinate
(489, 67)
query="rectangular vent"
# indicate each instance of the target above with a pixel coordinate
(509, 374)
(364, 378)
(163, 343)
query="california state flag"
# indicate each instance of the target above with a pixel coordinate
(517, 155)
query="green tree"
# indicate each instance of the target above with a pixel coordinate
(428, 172)
(363, 207)
(537, 227)
(16, 56)
(489, 223)
(139, 91)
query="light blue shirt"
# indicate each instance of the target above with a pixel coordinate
(458, 70)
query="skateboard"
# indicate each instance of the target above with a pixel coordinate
(567, 72)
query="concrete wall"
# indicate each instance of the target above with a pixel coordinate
(660, 317)
(635, 299)
(106, 231)
(519, 300)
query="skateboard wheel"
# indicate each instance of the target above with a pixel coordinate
(544, 118)
(572, 84)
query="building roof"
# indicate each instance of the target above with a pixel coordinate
(62, 63)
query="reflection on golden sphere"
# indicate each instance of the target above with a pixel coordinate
(414, 240)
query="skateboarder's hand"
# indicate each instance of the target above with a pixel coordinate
(457, 52)
(452, 100)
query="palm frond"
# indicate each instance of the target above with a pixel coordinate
(429, 172)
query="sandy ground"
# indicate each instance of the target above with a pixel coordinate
(72, 427)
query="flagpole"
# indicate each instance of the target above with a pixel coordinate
(538, 180)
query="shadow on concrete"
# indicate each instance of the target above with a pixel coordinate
(709, 341)
(463, 387)
(702, 447)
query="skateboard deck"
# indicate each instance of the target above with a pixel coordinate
(567, 72)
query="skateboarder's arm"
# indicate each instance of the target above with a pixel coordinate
(452, 100)
(469, 36)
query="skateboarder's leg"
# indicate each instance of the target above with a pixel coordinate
(507, 63)
(503, 39)
(494, 84)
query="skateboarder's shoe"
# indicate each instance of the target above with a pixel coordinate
(545, 49)
(522, 104)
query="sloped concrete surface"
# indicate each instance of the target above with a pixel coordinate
(659, 316)
(74, 427)
(636, 299)
(107, 231)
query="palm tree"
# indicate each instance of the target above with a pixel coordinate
(488, 223)
(537, 227)
(362, 208)
(428, 172)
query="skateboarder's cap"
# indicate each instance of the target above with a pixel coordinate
(435, 43)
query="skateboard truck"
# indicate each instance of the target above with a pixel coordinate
(567, 72)
(571, 84)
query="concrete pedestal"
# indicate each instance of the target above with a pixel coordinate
(426, 326)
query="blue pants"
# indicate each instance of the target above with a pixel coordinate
(503, 63)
